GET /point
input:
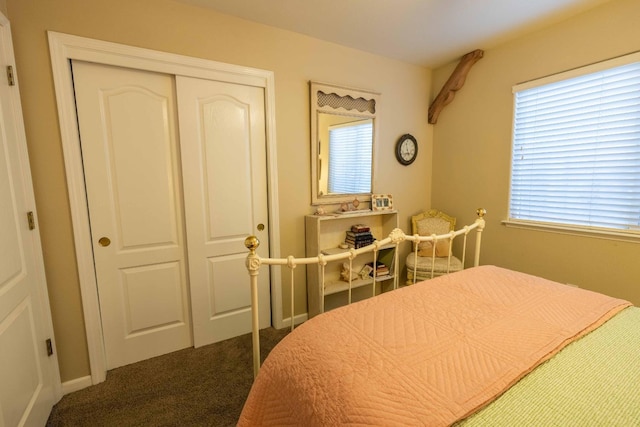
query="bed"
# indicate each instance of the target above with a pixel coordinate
(484, 346)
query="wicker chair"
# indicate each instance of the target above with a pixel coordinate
(420, 267)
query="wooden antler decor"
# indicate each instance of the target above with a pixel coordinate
(455, 82)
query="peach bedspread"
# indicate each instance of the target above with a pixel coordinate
(429, 354)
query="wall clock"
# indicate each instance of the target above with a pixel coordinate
(406, 149)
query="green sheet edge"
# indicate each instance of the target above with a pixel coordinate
(594, 381)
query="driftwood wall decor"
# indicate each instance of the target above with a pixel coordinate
(455, 82)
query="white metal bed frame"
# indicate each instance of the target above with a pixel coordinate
(254, 262)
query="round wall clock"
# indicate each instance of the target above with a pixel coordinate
(406, 149)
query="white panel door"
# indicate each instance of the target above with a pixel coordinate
(29, 379)
(130, 152)
(222, 137)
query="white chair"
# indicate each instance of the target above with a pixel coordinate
(425, 266)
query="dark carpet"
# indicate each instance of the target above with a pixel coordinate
(206, 386)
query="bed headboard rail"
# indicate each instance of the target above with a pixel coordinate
(396, 237)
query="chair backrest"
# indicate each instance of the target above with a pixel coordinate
(432, 222)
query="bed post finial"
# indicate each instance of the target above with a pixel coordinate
(252, 244)
(481, 212)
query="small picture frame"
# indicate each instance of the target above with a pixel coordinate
(381, 202)
(366, 271)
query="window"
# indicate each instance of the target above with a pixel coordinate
(350, 152)
(576, 148)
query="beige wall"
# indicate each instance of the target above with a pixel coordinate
(174, 27)
(472, 145)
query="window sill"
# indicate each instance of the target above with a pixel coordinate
(600, 233)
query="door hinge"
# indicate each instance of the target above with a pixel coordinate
(31, 220)
(49, 347)
(10, 78)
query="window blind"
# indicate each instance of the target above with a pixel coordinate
(576, 151)
(350, 155)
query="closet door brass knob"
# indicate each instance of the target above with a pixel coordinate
(104, 241)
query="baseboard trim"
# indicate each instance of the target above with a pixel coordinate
(300, 318)
(76, 384)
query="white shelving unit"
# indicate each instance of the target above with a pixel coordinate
(324, 234)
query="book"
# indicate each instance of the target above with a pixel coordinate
(358, 245)
(358, 234)
(359, 239)
(367, 240)
(358, 228)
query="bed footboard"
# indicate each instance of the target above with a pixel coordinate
(396, 237)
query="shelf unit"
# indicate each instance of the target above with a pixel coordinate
(324, 234)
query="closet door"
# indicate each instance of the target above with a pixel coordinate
(223, 147)
(128, 131)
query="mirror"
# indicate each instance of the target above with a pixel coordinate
(343, 132)
(345, 154)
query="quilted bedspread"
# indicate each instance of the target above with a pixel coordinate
(428, 354)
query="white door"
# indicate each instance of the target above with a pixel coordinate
(222, 137)
(128, 132)
(29, 378)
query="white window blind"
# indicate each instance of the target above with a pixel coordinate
(576, 150)
(350, 154)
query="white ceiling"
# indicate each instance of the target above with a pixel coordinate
(424, 32)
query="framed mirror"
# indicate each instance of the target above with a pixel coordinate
(343, 135)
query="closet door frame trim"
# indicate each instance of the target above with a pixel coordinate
(64, 48)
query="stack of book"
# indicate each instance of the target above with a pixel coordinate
(359, 236)
(381, 269)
